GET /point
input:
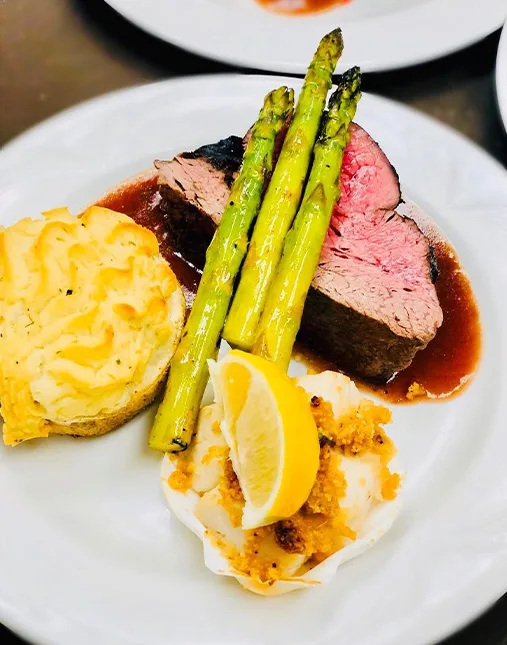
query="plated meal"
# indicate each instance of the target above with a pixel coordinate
(293, 226)
(281, 301)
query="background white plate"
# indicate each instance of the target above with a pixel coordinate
(501, 76)
(379, 34)
(88, 551)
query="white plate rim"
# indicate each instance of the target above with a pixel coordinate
(11, 616)
(501, 76)
(429, 30)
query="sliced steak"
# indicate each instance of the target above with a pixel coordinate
(372, 304)
(194, 188)
(367, 181)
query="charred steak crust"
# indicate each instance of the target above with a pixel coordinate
(396, 177)
(194, 187)
(432, 259)
(225, 155)
(372, 304)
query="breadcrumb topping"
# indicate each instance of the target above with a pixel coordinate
(330, 485)
(356, 432)
(231, 494)
(216, 428)
(390, 483)
(416, 390)
(215, 452)
(319, 528)
(181, 478)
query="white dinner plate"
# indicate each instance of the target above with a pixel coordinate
(501, 76)
(379, 34)
(88, 551)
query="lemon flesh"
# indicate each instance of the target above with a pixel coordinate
(271, 434)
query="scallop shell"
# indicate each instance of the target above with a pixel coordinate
(183, 505)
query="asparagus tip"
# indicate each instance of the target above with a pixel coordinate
(329, 50)
(336, 34)
(349, 84)
(351, 76)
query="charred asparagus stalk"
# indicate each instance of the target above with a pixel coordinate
(282, 197)
(177, 414)
(281, 317)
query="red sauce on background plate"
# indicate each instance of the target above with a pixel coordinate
(298, 7)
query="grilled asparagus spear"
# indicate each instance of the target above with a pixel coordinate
(281, 317)
(282, 197)
(177, 414)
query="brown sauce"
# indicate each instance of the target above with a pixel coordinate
(298, 7)
(449, 361)
(442, 369)
(141, 202)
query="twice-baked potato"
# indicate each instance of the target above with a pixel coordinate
(90, 317)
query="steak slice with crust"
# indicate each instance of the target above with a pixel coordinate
(194, 187)
(372, 304)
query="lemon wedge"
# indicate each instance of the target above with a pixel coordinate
(271, 434)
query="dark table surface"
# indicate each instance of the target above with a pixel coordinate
(55, 53)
